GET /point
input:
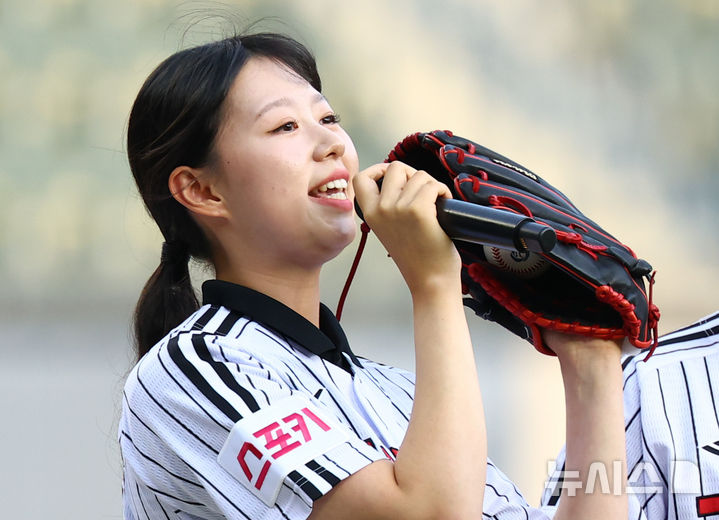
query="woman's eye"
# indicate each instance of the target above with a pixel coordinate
(331, 119)
(287, 127)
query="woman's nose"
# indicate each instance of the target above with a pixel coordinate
(329, 144)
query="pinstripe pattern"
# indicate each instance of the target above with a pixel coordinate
(183, 398)
(672, 425)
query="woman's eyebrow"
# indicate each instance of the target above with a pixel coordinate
(285, 101)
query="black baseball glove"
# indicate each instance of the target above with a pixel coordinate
(589, 283)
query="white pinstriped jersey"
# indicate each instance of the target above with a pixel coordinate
(221, 367)
(672, 427)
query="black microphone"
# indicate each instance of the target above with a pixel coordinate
(488, 226)
(477, 224)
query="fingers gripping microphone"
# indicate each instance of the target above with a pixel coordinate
(468, 222)
(477, 224)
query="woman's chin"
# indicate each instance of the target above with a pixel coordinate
(343, 235)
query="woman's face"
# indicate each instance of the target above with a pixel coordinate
(284, 167)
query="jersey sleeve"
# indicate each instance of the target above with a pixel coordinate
(217, 433)
(677, 407)
(504, 501)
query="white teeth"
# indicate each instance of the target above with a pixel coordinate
(339, 184)
(341, 195)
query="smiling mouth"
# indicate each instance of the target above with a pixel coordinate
(336, 189)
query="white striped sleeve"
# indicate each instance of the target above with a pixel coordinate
(503, 501)
(183, 400)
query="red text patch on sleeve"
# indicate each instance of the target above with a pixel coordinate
(263, 448)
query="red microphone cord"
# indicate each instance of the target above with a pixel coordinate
(360, 248)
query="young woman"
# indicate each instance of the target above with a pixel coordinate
(253, 405)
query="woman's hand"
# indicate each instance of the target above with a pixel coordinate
(440, 469)
(582, 352)
(403, 215)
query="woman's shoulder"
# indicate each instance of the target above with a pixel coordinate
(221, 329)
(210, 337)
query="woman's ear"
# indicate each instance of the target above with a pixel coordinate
(193, 188)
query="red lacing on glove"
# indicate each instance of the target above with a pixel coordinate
(586, 247)
(577, 240)
(533, 320)
(632, 324)
(443, 152)
(433, 137)
(399, 151)
(474, 181)
(508, 203)
(471, 148)
(365, 229)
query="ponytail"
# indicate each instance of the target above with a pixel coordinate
(167, 298)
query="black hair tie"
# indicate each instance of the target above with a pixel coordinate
(174, 251)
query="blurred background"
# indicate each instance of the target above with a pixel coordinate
(613, 102)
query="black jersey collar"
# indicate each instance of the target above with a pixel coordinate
(329, 341)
